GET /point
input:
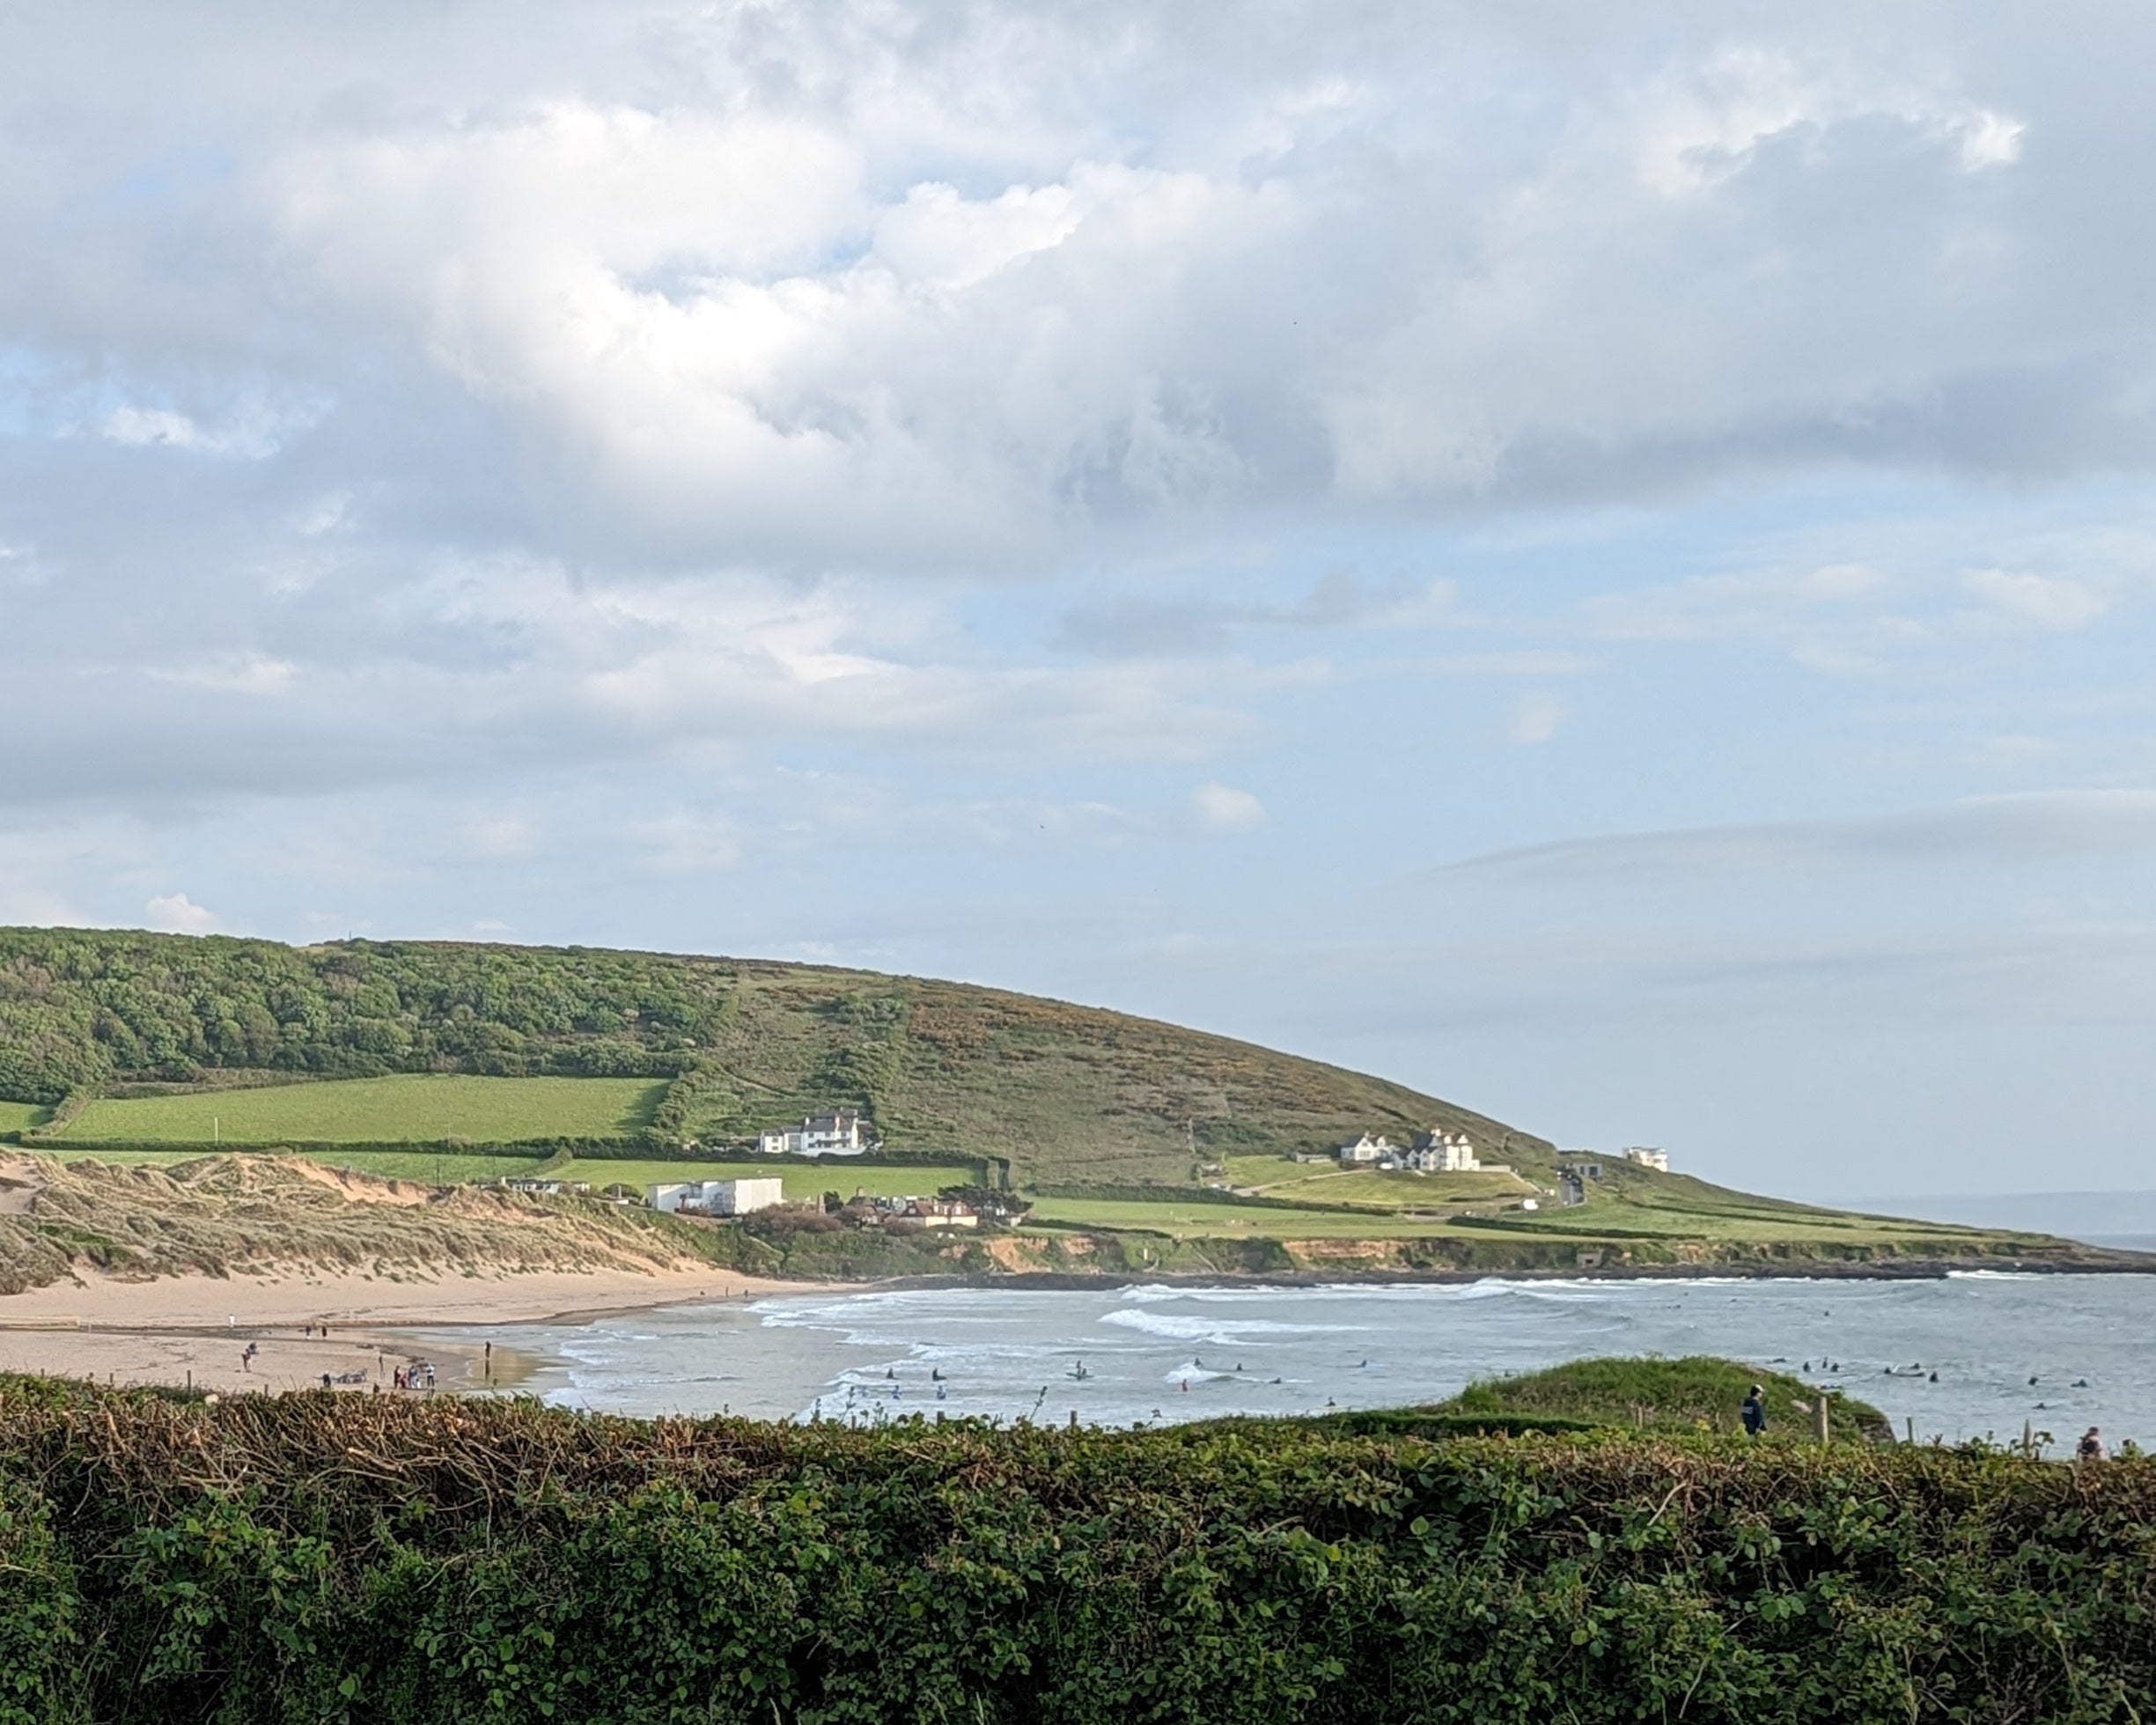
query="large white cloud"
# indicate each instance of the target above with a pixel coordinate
(875, 285)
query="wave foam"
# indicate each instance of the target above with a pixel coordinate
(1193, 1327)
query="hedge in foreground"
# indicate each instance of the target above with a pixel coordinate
(316, 1558)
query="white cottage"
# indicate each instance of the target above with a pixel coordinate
(835, 1132)
(1366, 1151)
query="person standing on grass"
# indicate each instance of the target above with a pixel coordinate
(1754, 1412)
(2091, 1447)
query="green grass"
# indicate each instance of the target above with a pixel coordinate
(21, 1117)
(409, 1108)
(1678, 1206)
(423, 1165)
(1277, 1176)
(802, 1184)
(1185, 1221)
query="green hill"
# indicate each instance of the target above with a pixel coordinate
(1064, 1094)
(1143, 1148)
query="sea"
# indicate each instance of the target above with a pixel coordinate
(1978, 1355)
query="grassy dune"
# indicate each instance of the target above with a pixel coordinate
(424, 1167)
(216, 1215)
(407, 1107)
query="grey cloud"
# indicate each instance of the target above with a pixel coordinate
(2035, 826)
(1141, 625)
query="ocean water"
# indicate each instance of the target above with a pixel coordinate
(2059, 1352)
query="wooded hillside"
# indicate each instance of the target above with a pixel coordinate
(1063, 1092)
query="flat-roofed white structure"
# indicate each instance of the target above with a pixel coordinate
(717, 1198)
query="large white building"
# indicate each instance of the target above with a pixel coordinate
(837, 1131)
(1647, 1157)
(717, 1198)
(1442, 1153)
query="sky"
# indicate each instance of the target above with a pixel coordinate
(1595, 561)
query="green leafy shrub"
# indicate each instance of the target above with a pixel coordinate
(317, 1557)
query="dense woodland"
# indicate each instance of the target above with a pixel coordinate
(81, 1008)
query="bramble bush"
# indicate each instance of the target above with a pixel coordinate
(358, 1559)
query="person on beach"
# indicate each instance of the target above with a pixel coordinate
(1754, 1412)
(2091, 1447)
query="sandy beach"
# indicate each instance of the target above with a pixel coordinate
(194, 1330)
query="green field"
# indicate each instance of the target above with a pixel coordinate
(405, 1108)
(1666, 1209)
(21, 1117)
(1185, 1221)
(802, 1184)
(1308, 1182)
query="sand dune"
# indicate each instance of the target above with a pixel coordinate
(164, 1276)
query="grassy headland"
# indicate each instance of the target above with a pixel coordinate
(1066, 1094)
(1141, 1149)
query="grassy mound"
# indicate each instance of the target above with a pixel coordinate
(1698, 1394)
(220, 1214)
(313, 1556)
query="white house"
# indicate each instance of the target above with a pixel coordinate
(1647, 1157)
(1442, 1153)
(1365, 1149)
(717, 1198)
(835, 1132)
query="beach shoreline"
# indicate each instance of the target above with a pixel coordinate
(194, 1332)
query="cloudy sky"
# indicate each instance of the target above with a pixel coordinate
(1598, 561)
